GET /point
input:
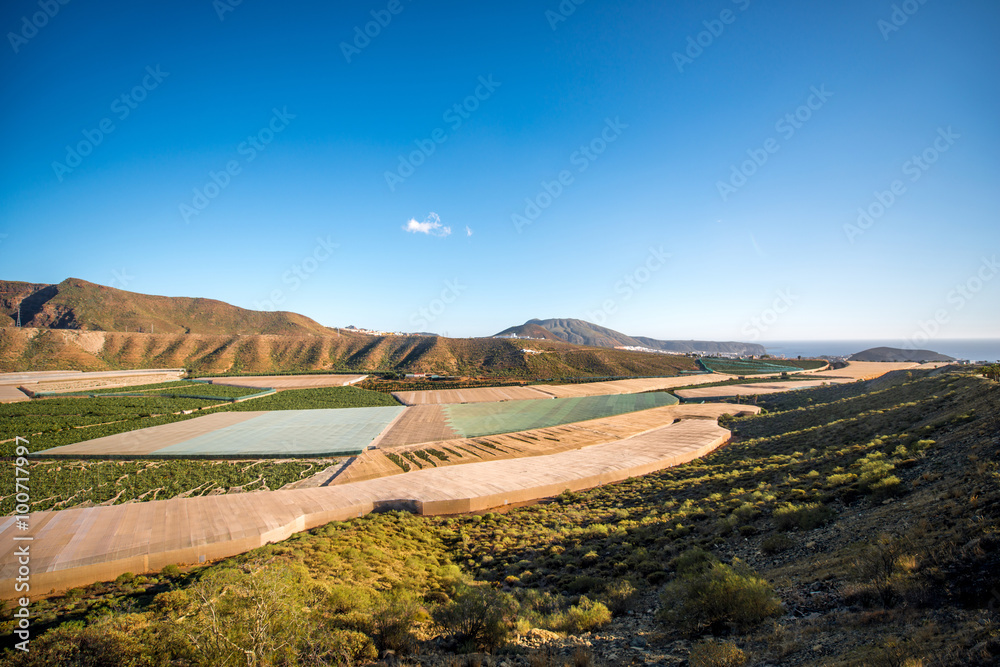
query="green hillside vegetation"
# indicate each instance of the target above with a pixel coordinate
(860, 529)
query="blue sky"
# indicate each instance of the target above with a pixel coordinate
(556, 164)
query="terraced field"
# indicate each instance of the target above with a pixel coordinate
(747, 366)
(493, 394)
(78, 546)
(278, 434)
(479, 419)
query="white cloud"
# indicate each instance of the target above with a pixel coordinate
(468, 232)
(431, 226)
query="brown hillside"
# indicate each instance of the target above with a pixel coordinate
(78, 304)
(47, 349)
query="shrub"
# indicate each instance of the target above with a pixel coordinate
(803, 517)
(620, 596)
(108, 642)
(171, 571)
(840, 479)
(345, 647)
(392, 621)
(708, 653)
(776, 543)
(717, 597)
(879, 570)
(479, 617)
(585, 616)
(584, 584)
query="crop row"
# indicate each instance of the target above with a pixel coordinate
(62, 484)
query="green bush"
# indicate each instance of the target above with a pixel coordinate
(803, 517)
(620, 596)
(392, 619)
(585, 616)
(879, 572)
(479, 617)
(104, 642)
(717, 598)
(709, 653)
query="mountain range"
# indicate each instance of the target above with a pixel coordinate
(581, 332)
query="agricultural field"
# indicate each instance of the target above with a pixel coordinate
(804, 364)
(66, 484)
(297, 381)
(321, 398)
(178, 389)
(478, 419)
(247, 434)
(749, 366)
(860, 529)
(54, 422)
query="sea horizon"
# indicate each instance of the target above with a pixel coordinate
(973, 349)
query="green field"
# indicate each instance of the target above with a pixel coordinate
(291, 434)
(321, 398)
(53, 422)
(179, 389)
(64, 484)
(747, 366)
(472, 420)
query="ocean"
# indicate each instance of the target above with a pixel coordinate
(974, 349)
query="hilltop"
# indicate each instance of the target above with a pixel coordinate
(78, 304)
(898, 354)
(581, 332)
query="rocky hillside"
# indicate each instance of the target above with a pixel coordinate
(78, 304)
(51, 349)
